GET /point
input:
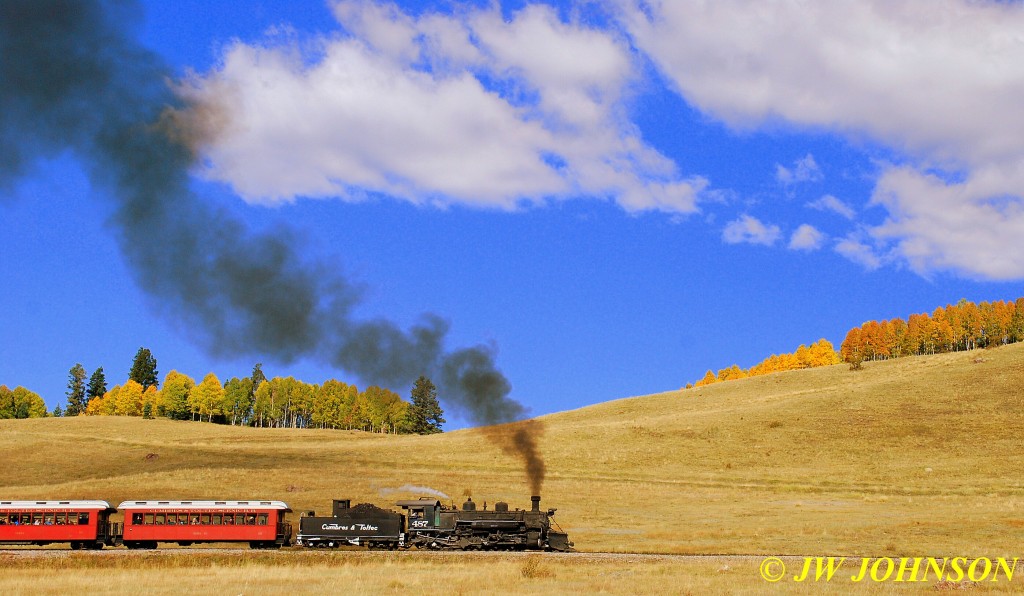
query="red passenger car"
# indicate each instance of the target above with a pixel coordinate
(260, 523)
(85, 524)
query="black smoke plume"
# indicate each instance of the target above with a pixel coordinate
(71, 77)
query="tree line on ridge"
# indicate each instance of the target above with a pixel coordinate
(279, 402)
(287, 402)
(820, 353)
(953, 328)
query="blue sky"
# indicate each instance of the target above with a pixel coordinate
(614, 197)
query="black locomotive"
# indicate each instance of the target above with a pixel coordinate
(426, 523)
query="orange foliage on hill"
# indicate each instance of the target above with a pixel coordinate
(820, 353)
(955, 328)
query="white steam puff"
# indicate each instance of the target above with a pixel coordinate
(412, 488)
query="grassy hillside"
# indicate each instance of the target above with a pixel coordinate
(921, 456)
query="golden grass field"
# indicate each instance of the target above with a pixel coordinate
(914, 457)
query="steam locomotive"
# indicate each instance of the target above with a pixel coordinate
(426, 523)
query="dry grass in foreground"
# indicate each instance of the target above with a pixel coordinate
(241, 572)
(916, 457)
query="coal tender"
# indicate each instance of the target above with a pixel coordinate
(362, 525)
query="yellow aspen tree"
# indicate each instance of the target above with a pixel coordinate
(209, 395)
(709, 378)
(129, 400)
(109, 403)
(95, 406)
(821, 353)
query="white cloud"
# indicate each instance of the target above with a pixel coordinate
(804, 169)
(466, 109)
(972, 227)
(382, 26)
(833, 204)
(940, 77)
(939, 81)
(857, 251)
(806, 238)
(750, 230)
(475, 109)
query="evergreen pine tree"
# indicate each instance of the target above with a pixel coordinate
(57, 412)
(143, 369)
(76, 390)
(425, 414)
(257, 378)
(97, 386)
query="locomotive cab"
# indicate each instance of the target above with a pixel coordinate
(421, 514)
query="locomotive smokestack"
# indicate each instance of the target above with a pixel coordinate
(536, 502)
